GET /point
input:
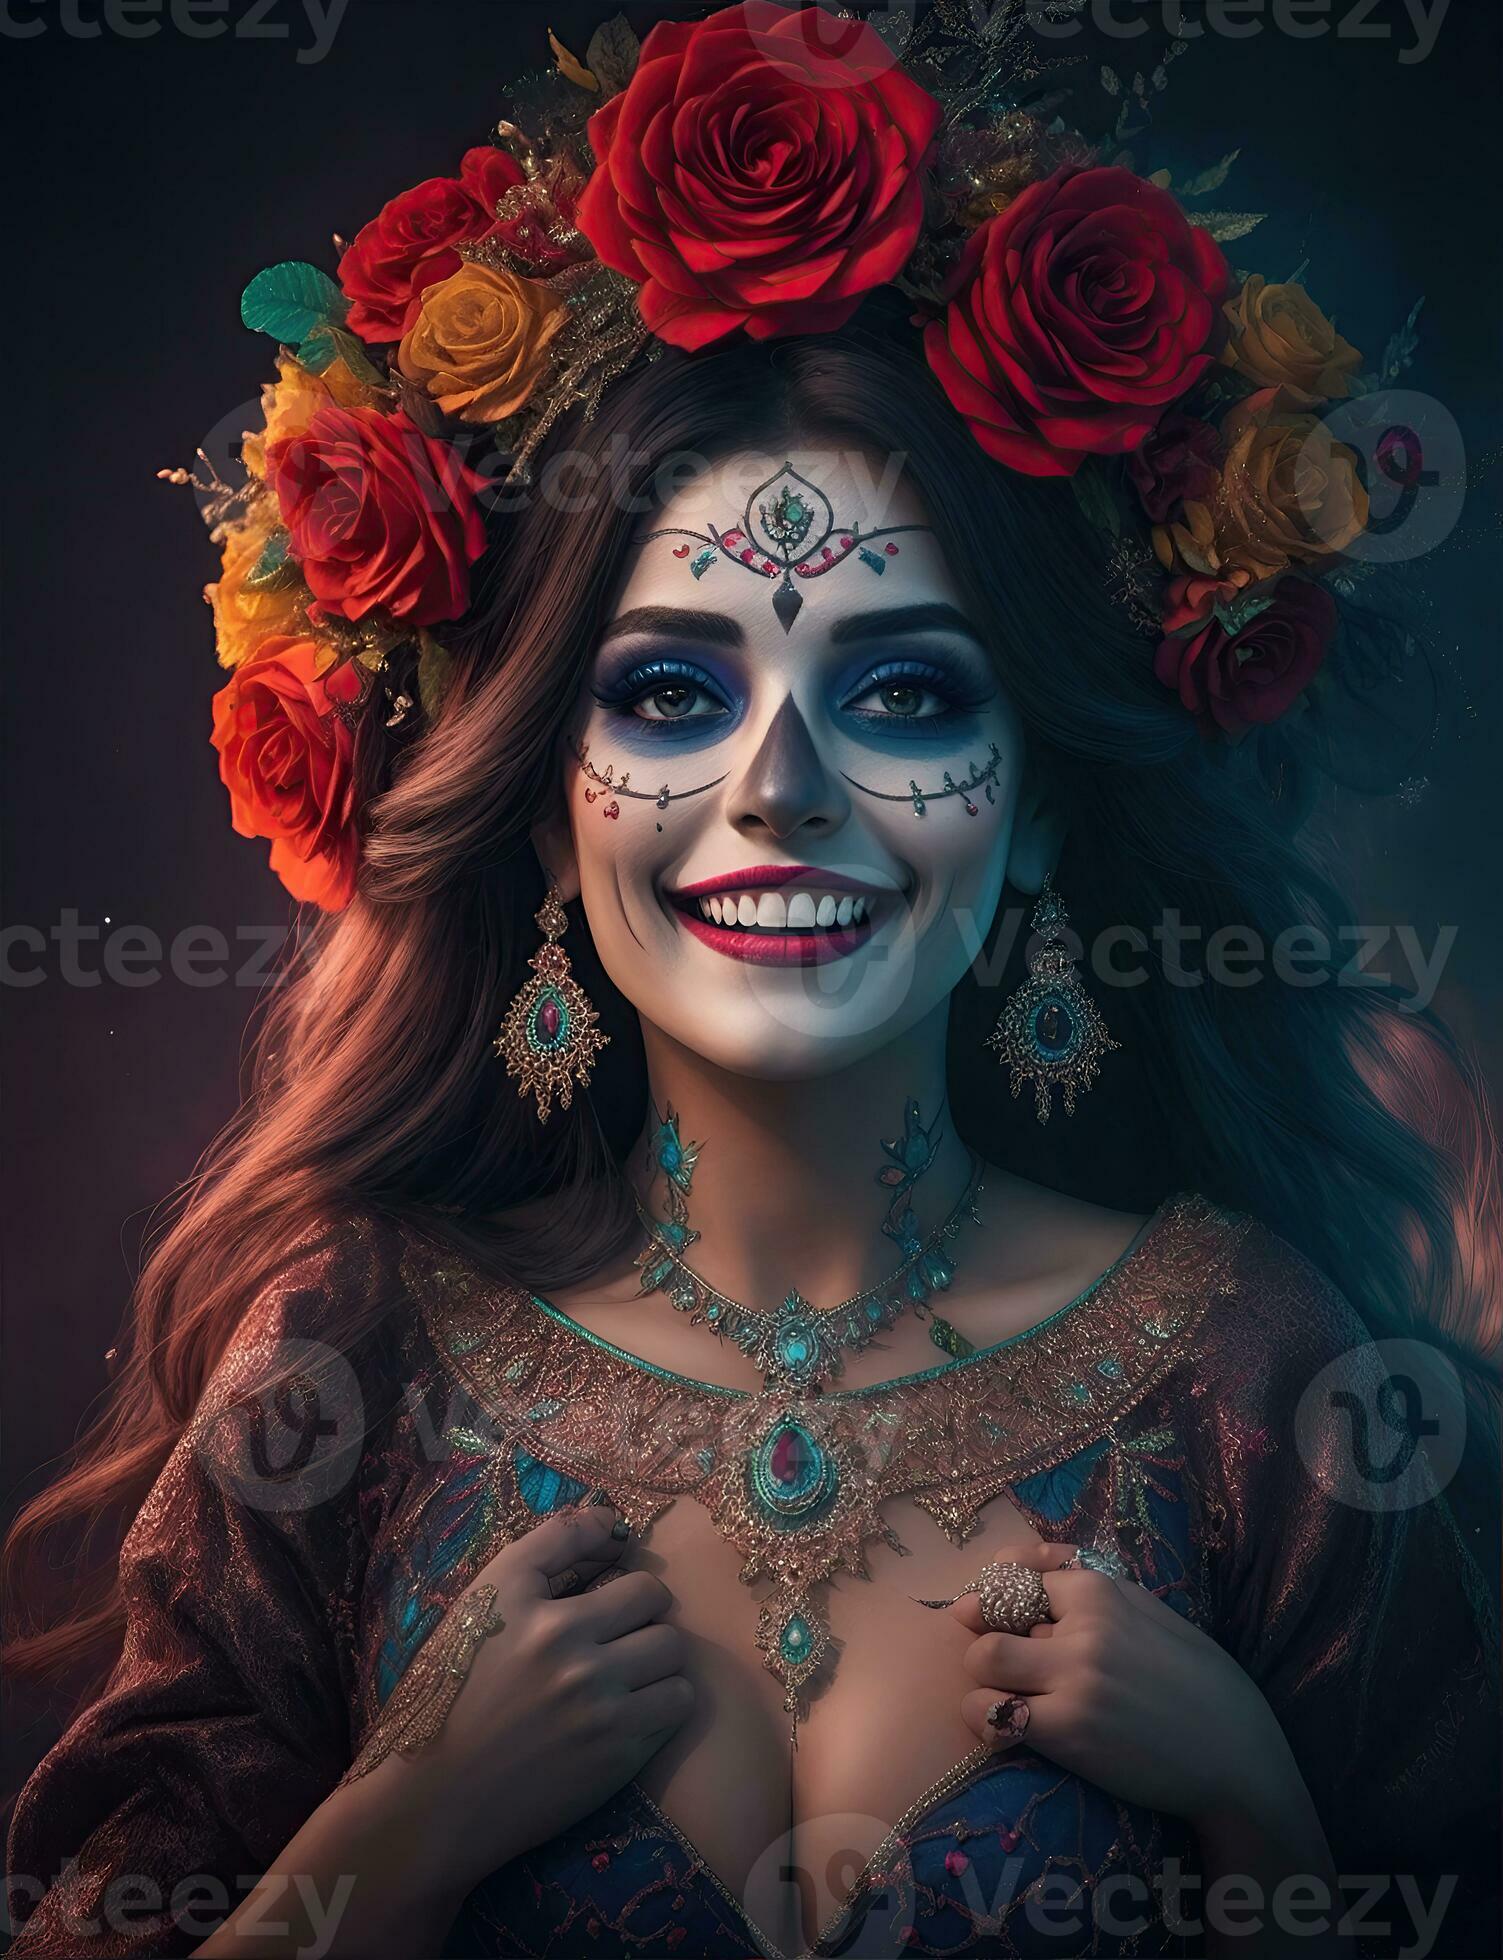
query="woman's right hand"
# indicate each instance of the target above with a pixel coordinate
(559, 1710)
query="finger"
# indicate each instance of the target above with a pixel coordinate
(1044, 1557)
(660, 1708)
(1011, 1660)
(578, 1540)
(648, 1654)
(1006, 1720)
(634, 1600)
(1158, 1609)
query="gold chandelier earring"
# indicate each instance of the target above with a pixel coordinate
(549, 1039)
(1050, 1031)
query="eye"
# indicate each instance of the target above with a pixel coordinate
(662, 691)
(905, 692)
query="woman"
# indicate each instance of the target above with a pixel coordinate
(404, 1683)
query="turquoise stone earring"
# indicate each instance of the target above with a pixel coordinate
(549, 1039)
(1050, 1031)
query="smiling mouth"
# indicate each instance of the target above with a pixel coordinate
(778, 928)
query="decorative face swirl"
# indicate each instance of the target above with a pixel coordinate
(791, 845)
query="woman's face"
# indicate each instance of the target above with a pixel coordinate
(725, 743)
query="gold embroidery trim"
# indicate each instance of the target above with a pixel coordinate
(430, 1684)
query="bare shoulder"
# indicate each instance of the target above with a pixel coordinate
(1037, 1251)
(1035, 1230)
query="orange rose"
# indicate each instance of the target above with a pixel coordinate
(1287, 496)
(254, 597)
(1280, 337)
(479, 345)
(287, 756)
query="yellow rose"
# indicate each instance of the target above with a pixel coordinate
(479, 346)
(247, 613)
(1280, 337)
(290, 404)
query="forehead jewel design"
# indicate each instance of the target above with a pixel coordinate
(787, 529)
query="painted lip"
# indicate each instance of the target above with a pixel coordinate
(802, 948)
(776, 948)
(768, 875)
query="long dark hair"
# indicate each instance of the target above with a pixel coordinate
(1348, 1124)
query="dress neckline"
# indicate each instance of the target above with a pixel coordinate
(959, 1776)
(1142, 1241)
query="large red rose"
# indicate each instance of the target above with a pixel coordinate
(379, 515)
(286, 756)
(1234, 681)
(1075, 317)
(411, 242)
(754, 175)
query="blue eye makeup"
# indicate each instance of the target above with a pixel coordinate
(914, 697)
(905, 698)
(664, 693)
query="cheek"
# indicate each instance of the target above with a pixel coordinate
(622, 855)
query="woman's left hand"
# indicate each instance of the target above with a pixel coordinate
(1120, 1689)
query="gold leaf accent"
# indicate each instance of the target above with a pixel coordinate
(571, 69)
(1224, 226)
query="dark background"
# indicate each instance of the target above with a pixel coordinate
(149, 179)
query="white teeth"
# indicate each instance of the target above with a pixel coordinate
(773, 911)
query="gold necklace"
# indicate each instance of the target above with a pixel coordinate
(798, 1345)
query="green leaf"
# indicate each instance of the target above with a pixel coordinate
(275, 568)
(317, 351)
(1093, 494)
(289, 301)
(1209, 180)
(1237, 614)
(612, 54)
(321, 347)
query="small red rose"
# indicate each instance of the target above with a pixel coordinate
(762, 169)
(411, 242)
(1238, 681)
(1075, 317)
(1180, 459)
(287, 758)
(379, 515)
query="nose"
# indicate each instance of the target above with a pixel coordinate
(786, 787)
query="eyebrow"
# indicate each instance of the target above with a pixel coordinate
(720, 629)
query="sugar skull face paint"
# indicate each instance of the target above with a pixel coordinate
(791, 836)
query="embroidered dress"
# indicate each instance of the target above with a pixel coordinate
(1154, 1416)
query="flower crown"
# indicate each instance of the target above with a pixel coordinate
(759, 172)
